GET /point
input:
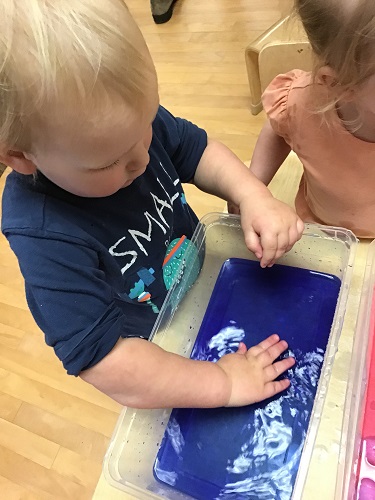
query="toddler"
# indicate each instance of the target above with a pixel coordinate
(95, 203)
(327, 117)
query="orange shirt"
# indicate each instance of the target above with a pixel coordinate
(338, 183)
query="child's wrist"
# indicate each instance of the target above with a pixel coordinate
(254, 197)
(252, 189)
(225, 386)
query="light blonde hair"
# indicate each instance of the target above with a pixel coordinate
(342, 36)
(66, 53)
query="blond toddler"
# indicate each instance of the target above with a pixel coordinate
(95, 204)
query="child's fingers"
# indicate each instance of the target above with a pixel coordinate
(289, 248)
(285, 242)
(264, 345)
(270, 244)
(273, 371)
(253, 243)
(300, 227)
(268, 356)
(282, 246)
(274, 246)
(242, 349)
(272, 388)
(295, 234)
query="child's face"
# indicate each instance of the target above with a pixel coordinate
(97, 158)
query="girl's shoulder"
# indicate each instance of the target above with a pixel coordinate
(275, 97)
(296, 78)
(286, 94)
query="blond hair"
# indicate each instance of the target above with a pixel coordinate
(66, 53)
(342, 36)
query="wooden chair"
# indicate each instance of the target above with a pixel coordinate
(283, 47)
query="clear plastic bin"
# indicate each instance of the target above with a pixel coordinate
(129, 461)
(352, 462)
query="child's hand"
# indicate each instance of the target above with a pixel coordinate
(270, 228)
(252, 372)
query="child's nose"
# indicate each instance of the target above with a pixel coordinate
(140, 158)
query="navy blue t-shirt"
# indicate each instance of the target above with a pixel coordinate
(97, 269)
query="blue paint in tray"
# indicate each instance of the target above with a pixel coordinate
(252, 452)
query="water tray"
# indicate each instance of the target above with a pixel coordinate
(136, 441)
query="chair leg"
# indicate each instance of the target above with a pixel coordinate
(252, 65)
(162, 10)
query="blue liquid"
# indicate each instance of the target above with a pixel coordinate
(252, 452)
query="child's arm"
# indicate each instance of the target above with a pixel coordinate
(270, 227)
(269, 153)
(139, 374)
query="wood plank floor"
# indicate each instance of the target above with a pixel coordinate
(54, 429)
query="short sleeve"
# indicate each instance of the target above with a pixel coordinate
(70, 299)
(183, 141)
(275, 104)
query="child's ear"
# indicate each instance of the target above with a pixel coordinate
(328, 76)
(18, 161)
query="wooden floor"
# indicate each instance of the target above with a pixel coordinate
(54, 429)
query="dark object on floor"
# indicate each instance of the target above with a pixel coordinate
(162, 10)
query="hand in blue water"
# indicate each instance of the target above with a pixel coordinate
(252, 372)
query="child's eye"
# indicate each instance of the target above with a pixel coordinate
(110, 166)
